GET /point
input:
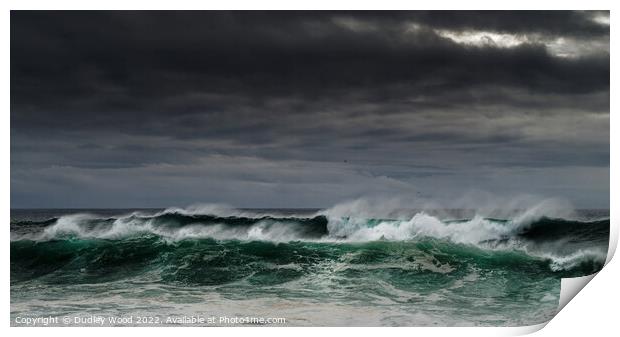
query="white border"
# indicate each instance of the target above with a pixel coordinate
(593, 311)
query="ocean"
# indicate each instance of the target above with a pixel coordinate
(297, 267)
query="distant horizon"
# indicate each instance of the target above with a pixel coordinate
(268, 208)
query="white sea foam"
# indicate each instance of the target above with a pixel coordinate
(348, 222)
(339, 229)
(573, 260)
(472, 231)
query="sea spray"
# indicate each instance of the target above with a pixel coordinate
(415, 263)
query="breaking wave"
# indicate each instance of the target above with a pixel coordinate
(564, 246)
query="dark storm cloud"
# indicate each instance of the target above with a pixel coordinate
(116, 61)
(372, 95)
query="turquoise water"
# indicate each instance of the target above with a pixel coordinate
(311, 269)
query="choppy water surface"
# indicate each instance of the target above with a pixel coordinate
(311, 267)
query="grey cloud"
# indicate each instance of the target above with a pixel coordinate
(117, 105)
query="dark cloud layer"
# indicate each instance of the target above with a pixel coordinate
(289, 109)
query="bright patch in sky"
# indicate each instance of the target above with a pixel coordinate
(559, 47)
(482, 38)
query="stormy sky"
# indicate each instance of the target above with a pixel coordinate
(307, 109)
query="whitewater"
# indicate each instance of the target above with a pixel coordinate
(339, 266)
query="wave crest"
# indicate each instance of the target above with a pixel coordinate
(563, 242)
